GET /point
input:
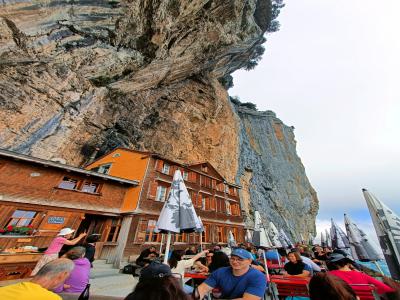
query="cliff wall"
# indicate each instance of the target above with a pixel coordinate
(83, 74)
(272, 175)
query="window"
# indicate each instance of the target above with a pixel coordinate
(161, 193)
(104, 169)
(205, 234)
(22, 218)
(220, 186)
(204, 168)
(220, 233)
(145, 231)
(221, 205)
(90, 187)
(206, 181)
(228, 207)
(165, 168)
(114, 230)
(68, 183)
(185, 175)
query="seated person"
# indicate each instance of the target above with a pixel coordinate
(238, 280)
(46, 279)
(200, 265)
(79, 277)
(344, 270)
(156, 281)
(219, 260)
(319, 254)
(296, 267)
(191, 251)
(142, 259)
(324, 286)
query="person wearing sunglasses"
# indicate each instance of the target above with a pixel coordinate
(238, 281)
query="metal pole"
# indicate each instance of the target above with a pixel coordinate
(162, 241)
(167, 248)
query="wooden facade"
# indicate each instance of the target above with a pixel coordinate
(216, 201)
(48, 196)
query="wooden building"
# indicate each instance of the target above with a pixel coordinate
(46, 196)
(216, 201)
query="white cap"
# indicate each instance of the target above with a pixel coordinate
(66, 231)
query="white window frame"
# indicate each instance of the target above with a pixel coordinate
(102, 167)
(165, 169)
(228, 207)
(161, 193)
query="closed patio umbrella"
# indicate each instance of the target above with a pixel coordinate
(274, 235)
(248, 236)
(231, 240)
(178, 214)
(286, 242)
(387, 227)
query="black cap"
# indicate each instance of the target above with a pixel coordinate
(335, 257)
(155, 270)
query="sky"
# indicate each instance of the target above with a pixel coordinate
(332, 72)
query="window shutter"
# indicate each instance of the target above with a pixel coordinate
(207, 203)
(159, 165)
(213, 205)
(153, 190)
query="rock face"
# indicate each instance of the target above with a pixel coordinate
(81, 74)
(272, 175)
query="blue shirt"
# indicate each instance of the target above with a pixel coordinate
(252, 282)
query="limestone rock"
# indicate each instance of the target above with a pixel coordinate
(80, 74)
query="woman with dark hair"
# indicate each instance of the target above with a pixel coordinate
(324, 286)
(90, 245)
(178, 265)
(219, 260)
(343, 269)
(296, 267)
(156, 282)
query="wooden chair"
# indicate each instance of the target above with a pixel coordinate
(289, 287)
(365, 291)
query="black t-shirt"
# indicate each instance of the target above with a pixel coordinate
(294, 269)
(320, 257)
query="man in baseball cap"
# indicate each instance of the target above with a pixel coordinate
(239, 280)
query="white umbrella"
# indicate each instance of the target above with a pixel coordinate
(328, 239)
(323, 241)
(178, 214)
(231, 240)
(387, 227)
(274, 235)
(248, 237)
(286, 242)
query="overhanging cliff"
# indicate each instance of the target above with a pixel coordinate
(76, 75)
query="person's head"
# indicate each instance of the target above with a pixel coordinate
(325, 286)
(75, 253)
(217, 248)
(53, 273)
(156, 282)
(66, 232)
(318, 249)
(93, 238)
(219, 260)
(240, 259)
(338, 261)
(193, 249)
(152, 249)
(209, 257)
(176, 256)
(294, 257)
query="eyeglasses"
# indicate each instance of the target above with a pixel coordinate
(236, 259)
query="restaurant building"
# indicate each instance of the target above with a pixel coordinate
(39, 197)
(216, 201)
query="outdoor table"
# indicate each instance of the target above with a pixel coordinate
(195, 275)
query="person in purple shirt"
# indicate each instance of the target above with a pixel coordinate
(79, 277)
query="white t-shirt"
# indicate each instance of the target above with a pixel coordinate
(181, 266)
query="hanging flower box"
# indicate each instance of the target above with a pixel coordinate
(14, 230)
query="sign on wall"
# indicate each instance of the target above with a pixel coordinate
(55, 220)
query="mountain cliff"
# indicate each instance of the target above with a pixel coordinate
(77, 75)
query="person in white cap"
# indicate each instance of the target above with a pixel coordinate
(55, 246)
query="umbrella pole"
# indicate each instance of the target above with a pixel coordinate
(162, 241)
(266, 272)
(167, 248)
(379, 267)
(278, 256)
(201, 242)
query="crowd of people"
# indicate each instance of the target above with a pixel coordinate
(239, 273)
